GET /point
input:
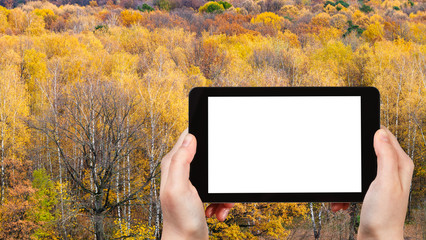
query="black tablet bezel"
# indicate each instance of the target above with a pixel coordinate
(198, 126)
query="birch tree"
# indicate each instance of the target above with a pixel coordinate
(94, 115)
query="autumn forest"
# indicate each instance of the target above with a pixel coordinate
(94, 93)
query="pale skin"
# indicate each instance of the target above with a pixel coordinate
(382, 213)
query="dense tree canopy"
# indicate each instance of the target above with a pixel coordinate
(92, 96)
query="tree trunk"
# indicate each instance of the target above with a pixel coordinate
(98, 220)
(118, 199)
(397, 109)
(2, 165)
(317, 229)
(59, 162)
(129, 212)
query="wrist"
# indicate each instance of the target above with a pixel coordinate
(379, 235)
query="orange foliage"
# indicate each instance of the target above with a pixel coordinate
(14, 222)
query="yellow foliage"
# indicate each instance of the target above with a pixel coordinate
(160, 65)
(130, 17)
(322, 19)
(138, 230)
(3, 23)
(420, 15)
(133, 40)
(290, 38)
(196, 78)
(339, 21)
(391, 3)
(330, 9)
(13, 105)
(357, 15)
(123, 68)
(43, 12)
(59, 45)
(93, 3)
(35, 70)
(290, 11)
(374, 32)
(271, 220)
(376, 18)
(342, 8)
(36, 25)
(4, 11)
(418, 32)
(331, 63)
(269, 19)
(211, 7)
(327, 34)
(360, 19)
(16, 20)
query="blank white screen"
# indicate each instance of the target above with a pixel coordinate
(284, 144)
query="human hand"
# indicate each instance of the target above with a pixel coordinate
(385, 204)
(221, 210)
(183, 211)
(339, 206)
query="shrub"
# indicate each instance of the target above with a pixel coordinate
(145, 8)
(329, 3)
(396, 8)
(164, 5)
(269, 19)
(93, 3)
(339, 21)
(129, 17)
(337, 4)
(225, 4)
(366, 8)
(353, 28)
(101, 28)
(212, 7)
(344, 4)
(374, 32)
(322, 19)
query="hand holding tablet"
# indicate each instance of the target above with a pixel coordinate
(283, 144)
(382, 214)
(383, 211)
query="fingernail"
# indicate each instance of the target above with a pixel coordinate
(187, 140)
(384, 136)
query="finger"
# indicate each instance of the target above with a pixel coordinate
(211, 209)
(228, 205)
(179, 141)
(395, 142)
(405, 163)
(222, 212)
(387, 159)
(336, 206)
(178, 173)
(165, 162)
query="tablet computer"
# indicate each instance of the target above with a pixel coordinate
(283, 144)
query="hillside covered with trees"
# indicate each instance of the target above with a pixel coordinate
(94, 93)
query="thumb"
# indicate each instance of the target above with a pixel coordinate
(387, 158)
(180, 163)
